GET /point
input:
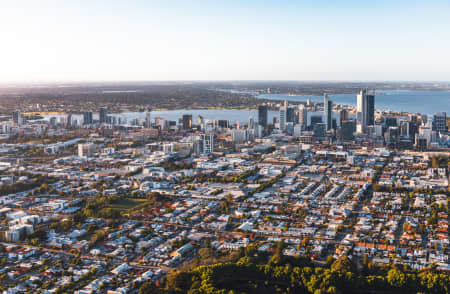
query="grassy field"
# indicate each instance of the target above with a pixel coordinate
(127, 203)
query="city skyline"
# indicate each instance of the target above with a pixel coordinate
(54, 41)
(211, 147)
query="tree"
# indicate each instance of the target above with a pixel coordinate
(396, 278)
(179, 281)
(342, 265)
(330, 260)
(149, 288)
(365, 260)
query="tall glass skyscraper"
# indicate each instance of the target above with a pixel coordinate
(327, 111)
(262, 115)
(365, 110)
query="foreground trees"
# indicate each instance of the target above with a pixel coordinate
(247, 276)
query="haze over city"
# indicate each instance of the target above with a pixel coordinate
(71, 41)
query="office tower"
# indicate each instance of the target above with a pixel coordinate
(103, 114)
(223, 123)
(392, 136)
(390, 121)
(334, 124)
(69, 121)
(6, 128)
(302, 116)
(378, 128)
(290, 114)
(197, 144)
(259, 131)
(320, 130)
(251, 123)
(87, 118)
(208, 143)
(289, 128)
(283, 111)
(298, 130)
(365, 110)
(148, 119)
(209, 125)
(160, 123)
(426, 131)
(440, 122)
(187, 121)
(17, 117)
(238, 136)
(315, 119)
(347, 130)
(327, 111)
(343, 115)
(404, 128)
(370, 96)
(413, 126)
(421, 143)
(86, 150)
(52, 121)
(262, 115)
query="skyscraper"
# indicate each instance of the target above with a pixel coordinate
(262, 115)
(365, 110)
(103, 114)
(290, 114)
(440, 122)
(208, 143)
(320, 130)
(347, 130)
(404, 128)
(370, 96)
(148, 119)
(239, 136)
(283, 111)
(343, 116)
(327, 111)
(17, 117)
(69, 121)
(302, 116)
(251, 123)
(187, 121)
(87, 118)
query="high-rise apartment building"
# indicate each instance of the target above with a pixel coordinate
(208, 143)
(86, 150)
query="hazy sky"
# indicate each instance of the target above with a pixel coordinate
(92, 40)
